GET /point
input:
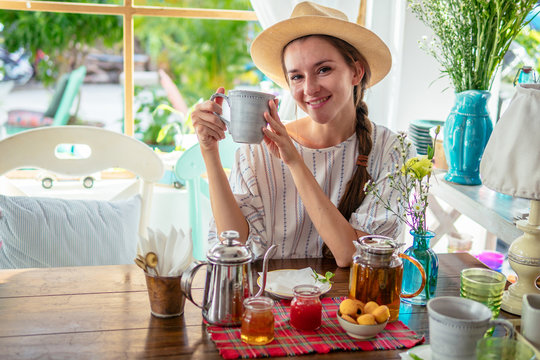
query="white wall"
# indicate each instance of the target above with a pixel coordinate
(422, 90)
(410, 90)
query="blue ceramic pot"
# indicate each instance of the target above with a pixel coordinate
(466, 133)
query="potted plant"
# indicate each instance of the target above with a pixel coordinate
(157, 123)
(470, 40)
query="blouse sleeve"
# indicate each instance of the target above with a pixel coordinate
(372, 217)
(243, 182)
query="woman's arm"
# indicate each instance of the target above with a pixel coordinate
(210, 129)
(334, 229)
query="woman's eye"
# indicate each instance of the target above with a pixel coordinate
(324, 69)
(295, 77)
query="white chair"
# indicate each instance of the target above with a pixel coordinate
(27, 222)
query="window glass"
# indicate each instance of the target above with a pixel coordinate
(201, 4)
(64, 67)
(194, 57)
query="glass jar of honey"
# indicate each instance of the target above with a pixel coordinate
(257, 321)
(377, 272)
(306, 308)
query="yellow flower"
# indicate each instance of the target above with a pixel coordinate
(418, 166)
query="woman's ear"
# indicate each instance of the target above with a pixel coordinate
(358, 73)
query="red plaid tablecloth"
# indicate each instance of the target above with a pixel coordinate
(329, 337)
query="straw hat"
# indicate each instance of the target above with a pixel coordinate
(308, 18)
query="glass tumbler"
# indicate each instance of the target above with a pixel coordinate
(503, 349)
(257, 321)
(306, 308)
(485, 286)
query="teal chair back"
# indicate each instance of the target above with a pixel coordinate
(188, 169)
(59, 108)
(76, 78)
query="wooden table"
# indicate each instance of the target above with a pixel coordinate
(103, 312)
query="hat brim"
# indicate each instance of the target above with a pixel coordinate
(267, 47)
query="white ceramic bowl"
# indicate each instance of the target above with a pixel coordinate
(360, 331)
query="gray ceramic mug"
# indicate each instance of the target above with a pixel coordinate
(530, 318)
(456, 324)
(247, 114)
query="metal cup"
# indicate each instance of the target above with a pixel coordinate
(247, 114)
(166, 297)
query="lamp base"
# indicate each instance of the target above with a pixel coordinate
(524, 258)
(511, 302)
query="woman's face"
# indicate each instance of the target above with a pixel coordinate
(320, 80)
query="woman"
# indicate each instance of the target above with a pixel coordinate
(303, 187)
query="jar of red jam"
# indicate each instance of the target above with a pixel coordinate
(306, 308)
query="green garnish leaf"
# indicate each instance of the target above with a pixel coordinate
(326, 279)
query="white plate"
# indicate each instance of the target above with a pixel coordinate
(422, 351)
(284, 279)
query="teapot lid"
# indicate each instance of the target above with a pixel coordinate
(378, 244)
(230, 251)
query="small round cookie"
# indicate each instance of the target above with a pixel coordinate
(349, 318)
(370, 306)
(348, 307)
(360, 306)
(381, 314)
(366, 319)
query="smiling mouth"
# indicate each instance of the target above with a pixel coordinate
(318, 101)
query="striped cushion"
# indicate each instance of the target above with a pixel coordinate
(48, 232)
(28, 119)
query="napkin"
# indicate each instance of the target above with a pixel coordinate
(283, 281)
(174, 251)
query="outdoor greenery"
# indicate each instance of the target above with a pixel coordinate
(471, 36)
(530, 40)
(200, 54)
(59, 42)
(156, 122)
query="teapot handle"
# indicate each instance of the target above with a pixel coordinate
(422, 272)
(187, 280)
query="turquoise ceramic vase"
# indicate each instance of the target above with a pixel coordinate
(466, 133)
(412, 279)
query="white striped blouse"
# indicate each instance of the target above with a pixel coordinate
(266, 193)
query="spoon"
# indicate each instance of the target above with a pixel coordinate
(140, 263)
(269, 253)
(152, 261)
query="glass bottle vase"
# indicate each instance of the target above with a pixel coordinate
(412, 278)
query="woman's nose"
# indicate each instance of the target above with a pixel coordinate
(311, 85)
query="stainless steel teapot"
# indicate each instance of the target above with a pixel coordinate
(229, 280)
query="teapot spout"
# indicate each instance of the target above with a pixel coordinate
(269, 253)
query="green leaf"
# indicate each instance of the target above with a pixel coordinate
(430, 152)
(326, 279)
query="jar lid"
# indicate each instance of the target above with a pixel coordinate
(378, 244)
(230, 251)
(307, 290)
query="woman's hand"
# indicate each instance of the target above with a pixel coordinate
(276, 137)
(209, 128)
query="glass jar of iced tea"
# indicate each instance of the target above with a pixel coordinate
(377, 271)
(306, 307)
(258, 321)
